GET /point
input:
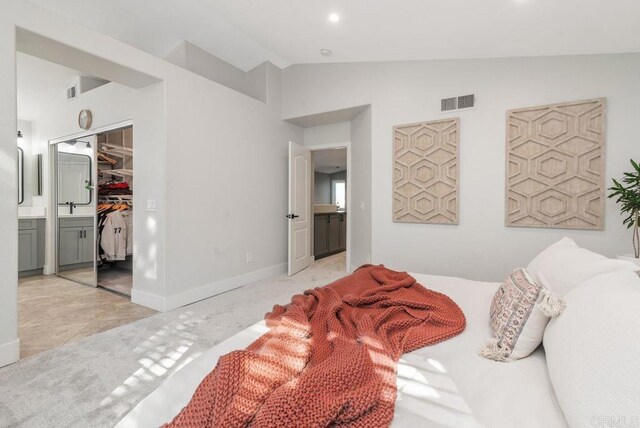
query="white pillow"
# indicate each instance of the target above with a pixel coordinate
(593, 351)
(563, 265)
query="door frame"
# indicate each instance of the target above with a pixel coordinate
(350, 209)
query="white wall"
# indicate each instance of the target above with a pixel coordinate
(328, 134)
(481, 247)
(321, 188)
(9, 343)
(360, 211)
(226, 187)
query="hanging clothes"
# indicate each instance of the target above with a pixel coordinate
(113, 239)
(128, 219)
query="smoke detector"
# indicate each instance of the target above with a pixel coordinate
(325, 52)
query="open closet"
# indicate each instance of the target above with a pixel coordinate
(114, 222)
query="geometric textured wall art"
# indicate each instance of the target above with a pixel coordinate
(425, 178)
(555, 166)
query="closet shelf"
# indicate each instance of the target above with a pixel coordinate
(102, 158)
(112, 150)
(118, 172)
(116, 197)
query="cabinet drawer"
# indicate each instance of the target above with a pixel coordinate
(26, 224)
(76, 221)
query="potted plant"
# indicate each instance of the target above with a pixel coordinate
(627, 193)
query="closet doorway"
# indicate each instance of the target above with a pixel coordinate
(94, 193)
(114, 211)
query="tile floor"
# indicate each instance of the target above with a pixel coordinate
(96, 380)
(118, 280)
(53, 311)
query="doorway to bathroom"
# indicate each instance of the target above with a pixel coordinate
(319, 199)
(69, 286)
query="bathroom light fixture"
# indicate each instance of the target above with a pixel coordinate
(20, 134)
(334, 17)
(325, 52)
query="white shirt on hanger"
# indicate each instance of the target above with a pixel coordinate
(114, 237)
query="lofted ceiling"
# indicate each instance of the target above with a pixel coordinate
(248, 32)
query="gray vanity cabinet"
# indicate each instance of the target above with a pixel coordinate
(321, 235)
(343, 231)
(30, 246)
(334, 233)
(27, 250)
(76, 241)
(329, 234)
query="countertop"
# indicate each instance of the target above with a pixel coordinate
(31, 213)
(333, 212)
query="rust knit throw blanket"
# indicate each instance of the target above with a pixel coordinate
(329, 358)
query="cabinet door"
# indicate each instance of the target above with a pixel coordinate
(334, 232)
(320, 236)
(71, 251)
(27, 250)
(343, 231)
(87, 244)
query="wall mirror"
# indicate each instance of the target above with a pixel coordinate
(20, 176)
(39, 174)
(74, 179)
(76, 229)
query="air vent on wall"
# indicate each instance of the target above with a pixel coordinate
(448, 104)
(72, 92)
(458, 103)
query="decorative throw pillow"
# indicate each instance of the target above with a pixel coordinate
(520, 311)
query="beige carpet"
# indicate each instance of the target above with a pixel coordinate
(94, 382)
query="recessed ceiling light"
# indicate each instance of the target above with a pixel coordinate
(325, 52)
(334, 17)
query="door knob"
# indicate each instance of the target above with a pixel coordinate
(292, 216)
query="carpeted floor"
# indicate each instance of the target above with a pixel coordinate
(96, 381)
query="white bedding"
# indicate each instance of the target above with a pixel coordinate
(444, 385)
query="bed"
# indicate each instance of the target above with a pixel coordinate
(444, 385)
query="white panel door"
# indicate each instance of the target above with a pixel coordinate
(299, 208)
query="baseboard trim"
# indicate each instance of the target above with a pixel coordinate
(149, 300)
(9, 352)
(162, 304)
(213, 289)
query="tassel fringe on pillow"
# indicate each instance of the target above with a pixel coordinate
(551, 304)
(493, 351)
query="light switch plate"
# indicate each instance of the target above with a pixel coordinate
(152, 204)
